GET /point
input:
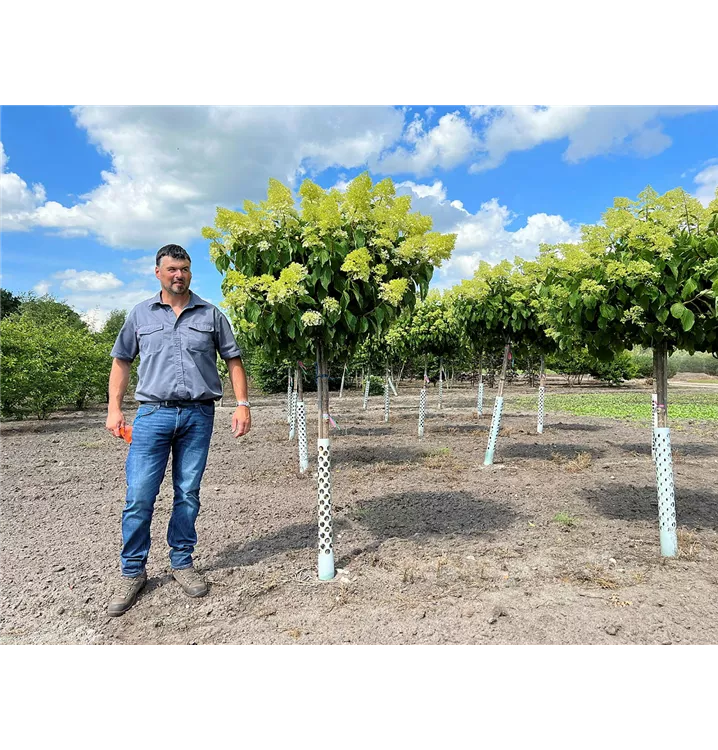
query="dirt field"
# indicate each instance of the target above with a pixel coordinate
(555, 544)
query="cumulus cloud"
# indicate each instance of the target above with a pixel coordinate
(88, 281)
(143, 266)
(95, 307)
(172, 166)
(591, 131)
(445, 146)
(41, 288)
(486, 234)
(707, 182)
(18, 202)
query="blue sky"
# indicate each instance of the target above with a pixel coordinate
(90, 193)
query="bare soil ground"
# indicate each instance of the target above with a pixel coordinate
(555, 544)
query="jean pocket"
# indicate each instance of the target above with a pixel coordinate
(207, 411)
(145, 411)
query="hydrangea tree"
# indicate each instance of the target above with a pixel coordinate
(323, 277)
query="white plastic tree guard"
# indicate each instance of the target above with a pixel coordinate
(302, 431)
(293, 416)
(289, 396)
(541, 400)
(495, 425)
(393, 387)
(480, 400)
(422, 410)
(324, 496)
(654, 408)
(386, 399)
(441, 384)
(366, 392)
(666, 493)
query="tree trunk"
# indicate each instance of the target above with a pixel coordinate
(341, 387)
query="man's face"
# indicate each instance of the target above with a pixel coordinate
(174, 274)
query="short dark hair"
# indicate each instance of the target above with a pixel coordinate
(174, 251)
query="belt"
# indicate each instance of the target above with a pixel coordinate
(182, 404)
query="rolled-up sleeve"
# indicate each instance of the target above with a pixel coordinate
(126, 346)
(226, 344)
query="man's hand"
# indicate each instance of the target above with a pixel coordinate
(115, 421)
(241, 421)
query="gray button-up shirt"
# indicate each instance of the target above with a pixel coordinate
(178, 354)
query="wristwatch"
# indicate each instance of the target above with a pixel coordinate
(243, 403)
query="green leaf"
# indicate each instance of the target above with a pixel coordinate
(662, 314)
(670, 285)
(677, 310)
(251, 311)
(326, 276)
(687, 319)
(689, 288)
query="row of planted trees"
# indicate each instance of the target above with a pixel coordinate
(346, 275)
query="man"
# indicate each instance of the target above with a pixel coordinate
(177, 335)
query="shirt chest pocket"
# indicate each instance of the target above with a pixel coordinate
(200, 337)
(151, 338)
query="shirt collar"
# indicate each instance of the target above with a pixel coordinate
(194, 300)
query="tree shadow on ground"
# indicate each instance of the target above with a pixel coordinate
(87, 424)
(543, 451)
(403, 515)
(361, 432)
(685, 450)
(452, 429)
(573, 427)
(361, 455)
(627, 502)
(296, 536)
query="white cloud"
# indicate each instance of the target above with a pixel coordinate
(143, 266)
(95, 307)
(445, 146)
(591, 131)
(707, 182)
(18, 202)
(87, 281)
(484, 235)
(172, 166)
(41, 288)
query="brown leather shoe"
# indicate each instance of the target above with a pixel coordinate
(191, 582)
(125, 594)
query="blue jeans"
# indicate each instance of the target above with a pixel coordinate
(186, 431)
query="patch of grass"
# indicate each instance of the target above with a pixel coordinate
(90, 445)
(564, 519)
(688, 545)
(578, 464)
(445, 451)
(626, 405)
